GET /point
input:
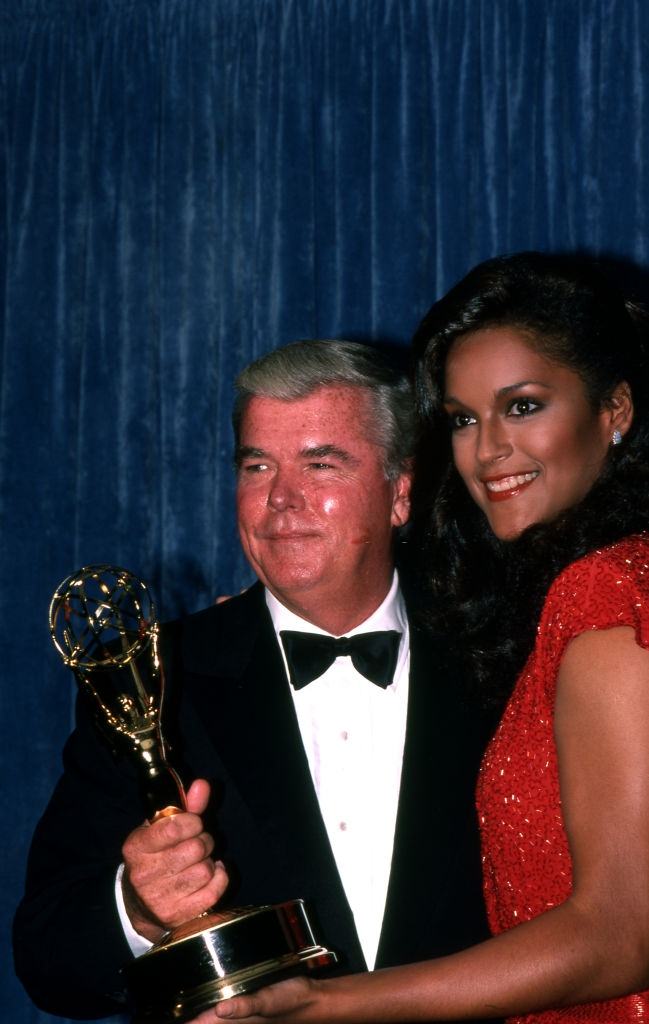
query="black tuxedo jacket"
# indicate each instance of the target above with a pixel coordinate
(230, 718)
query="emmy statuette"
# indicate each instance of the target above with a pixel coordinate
(103, 624)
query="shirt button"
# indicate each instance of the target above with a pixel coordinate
(344, 735)
(343, 826)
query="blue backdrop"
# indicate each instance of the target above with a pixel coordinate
(189, 183)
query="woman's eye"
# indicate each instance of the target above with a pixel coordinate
(458, 420)
(523, 407)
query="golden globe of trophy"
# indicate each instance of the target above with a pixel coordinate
(103, 624)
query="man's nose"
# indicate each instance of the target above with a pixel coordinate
(285, 492)
(493, 442)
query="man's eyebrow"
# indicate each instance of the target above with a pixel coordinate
(327, 451)
(246, 451)
(320, 451)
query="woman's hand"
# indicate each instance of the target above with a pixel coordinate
(288, 1000)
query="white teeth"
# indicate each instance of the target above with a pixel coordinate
(508, 483)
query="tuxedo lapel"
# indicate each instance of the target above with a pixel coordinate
(243, 704)
(434, 901)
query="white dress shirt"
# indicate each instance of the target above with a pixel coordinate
(353, 734)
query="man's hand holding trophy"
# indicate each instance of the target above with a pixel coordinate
(103, 623)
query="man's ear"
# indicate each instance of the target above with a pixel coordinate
(402, 487)
(619, 409)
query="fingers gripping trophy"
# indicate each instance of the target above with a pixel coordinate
(103, 624)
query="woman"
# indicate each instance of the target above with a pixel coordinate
(534, 370)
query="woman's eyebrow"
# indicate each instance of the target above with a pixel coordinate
(522, 384)
(504, 390)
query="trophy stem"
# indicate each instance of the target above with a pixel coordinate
(163, 792)
(143, 694)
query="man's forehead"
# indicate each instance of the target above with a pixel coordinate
(325, 416)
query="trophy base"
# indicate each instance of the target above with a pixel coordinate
(191, 970)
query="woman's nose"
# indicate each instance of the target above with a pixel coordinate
(493, 442)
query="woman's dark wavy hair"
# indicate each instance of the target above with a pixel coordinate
(487, 592)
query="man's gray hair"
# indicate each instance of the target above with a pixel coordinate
(300, 368)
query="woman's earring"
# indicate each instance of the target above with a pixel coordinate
(616, 437)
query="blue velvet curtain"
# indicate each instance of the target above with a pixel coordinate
(189, 183)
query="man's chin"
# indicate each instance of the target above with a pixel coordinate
(285, 586)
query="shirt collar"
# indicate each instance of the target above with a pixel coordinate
(390, 614)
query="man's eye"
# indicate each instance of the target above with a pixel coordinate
(459, 420)
(320, 465)
(523, 407)
(253, 467)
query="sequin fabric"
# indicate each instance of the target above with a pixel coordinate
(526, 860)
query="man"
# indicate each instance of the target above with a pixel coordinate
(354, 796)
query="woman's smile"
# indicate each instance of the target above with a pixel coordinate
(502, 488)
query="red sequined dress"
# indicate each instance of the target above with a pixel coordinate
(527, 865)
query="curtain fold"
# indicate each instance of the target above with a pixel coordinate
(187, 184)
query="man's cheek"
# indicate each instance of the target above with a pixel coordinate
(331, 506)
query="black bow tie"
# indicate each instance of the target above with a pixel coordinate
(374, 655)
